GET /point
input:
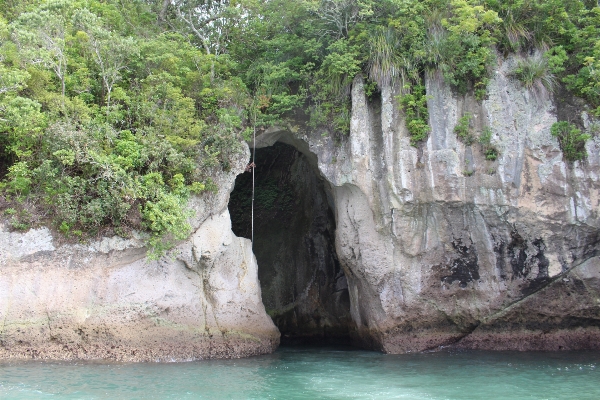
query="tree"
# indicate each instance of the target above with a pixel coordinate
(341, 15)
(208, 20)
(110, 51)
(11, 79)
(41, 37)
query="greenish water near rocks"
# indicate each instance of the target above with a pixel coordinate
(317, 373)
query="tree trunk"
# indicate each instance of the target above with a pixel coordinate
(109, 90)
(162, 15)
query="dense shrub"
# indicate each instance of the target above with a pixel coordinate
(571, 140)
(108, 130)
(463, 129)
(113, 113)
(485, 139)
(414, 104)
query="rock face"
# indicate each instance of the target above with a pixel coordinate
(303, 286)
(106, 300)
(439, 247)
(442, 247)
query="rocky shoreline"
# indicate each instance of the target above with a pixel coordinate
(440, 247)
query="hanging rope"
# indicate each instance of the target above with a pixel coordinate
(253, 168)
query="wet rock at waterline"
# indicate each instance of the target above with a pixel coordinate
(106, 300)
(439, 246)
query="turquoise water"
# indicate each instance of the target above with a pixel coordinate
(317, 373)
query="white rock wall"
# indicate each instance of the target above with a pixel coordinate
(105, 299)
(437, 241)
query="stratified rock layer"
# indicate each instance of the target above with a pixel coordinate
(107, 300)
(442, 247)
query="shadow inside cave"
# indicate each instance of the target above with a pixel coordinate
(304, 288)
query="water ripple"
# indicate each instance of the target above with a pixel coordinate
(317, 373)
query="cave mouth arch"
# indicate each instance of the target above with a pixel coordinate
(303, 285)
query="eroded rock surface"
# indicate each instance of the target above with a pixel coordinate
(444, 247)
(106, 300)
(439, 246)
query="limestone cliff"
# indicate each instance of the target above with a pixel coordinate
(443, 247)
(439, 247)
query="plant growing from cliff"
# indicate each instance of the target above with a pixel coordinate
(467, 45)
(463, 129)
(414, 104)
(594, 128)
(384, 61)
(571, 140)
(485, 139)
(19, 220)
(535, 74)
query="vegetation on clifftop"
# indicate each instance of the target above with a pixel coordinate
(108, 120)
(113, 112)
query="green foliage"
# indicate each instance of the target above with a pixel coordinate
(469, 17)
(113, 113)
(340, 66)
(463, 129)
(384, 63)
(121, 181)
(534, 72)
(414, 104)
(567, 31)
(19, 179)
(22, 120)
(571, 140)
(105, 122)
(485, 139)
(109, 51)
(556, 58)
(464, 132)
(165, 215)
(465, 51)
(585, 81)
(20, 220)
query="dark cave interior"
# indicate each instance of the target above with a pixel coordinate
(303, 286)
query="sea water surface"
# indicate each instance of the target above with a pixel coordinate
(317, 373)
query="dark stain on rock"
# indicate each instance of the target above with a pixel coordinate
(527, 257)
(542, 261)
(518, 256)
(579, 286)
(592, 246)
(464, 268)
(500, 250)
(535, 285)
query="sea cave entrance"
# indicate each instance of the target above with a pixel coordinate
(304, 288)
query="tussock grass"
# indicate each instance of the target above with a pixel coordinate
(384, 65)
(535, 75)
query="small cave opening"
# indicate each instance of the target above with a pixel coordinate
(303, 285)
